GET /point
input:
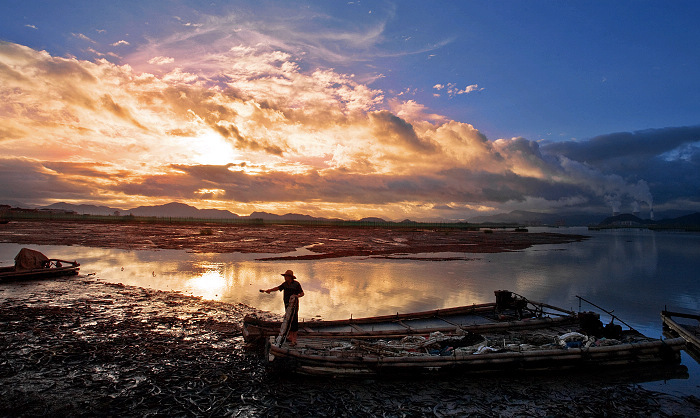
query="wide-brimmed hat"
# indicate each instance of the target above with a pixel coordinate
(289, 273)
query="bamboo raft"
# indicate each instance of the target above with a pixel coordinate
(582, 342)
(357, 358)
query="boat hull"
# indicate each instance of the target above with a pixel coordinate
(622, 355)
(38, 274)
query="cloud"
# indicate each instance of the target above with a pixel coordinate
(120, 43)
(83, 37)
(396, 130)
(655, 166)
(29, 180)
(161, 60)
(619, 149)
(412, 110)
(248, 121)
(452, 90)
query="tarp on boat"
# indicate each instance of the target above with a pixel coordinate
(28, 259)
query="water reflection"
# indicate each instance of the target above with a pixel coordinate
(209, 284)
(637, 273)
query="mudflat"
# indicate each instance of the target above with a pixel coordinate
(325, 242)
(80, 347)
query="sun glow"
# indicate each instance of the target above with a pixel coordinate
(211, 148)
(211, 193)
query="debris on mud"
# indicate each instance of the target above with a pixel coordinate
(82, 347)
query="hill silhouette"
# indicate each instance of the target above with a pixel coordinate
(626, 219)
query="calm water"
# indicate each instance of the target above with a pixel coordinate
(635, 272)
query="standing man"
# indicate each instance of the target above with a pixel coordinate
(290, 287)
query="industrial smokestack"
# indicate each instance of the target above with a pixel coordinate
(635, 209)
(615, 207)
(651, 214)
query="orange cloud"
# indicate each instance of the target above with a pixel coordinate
(250, 131)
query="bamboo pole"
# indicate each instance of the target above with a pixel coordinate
(607, 312)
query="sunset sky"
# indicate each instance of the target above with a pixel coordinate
(441, 110)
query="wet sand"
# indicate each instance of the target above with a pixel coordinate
(82, 347)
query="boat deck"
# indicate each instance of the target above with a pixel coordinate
(468, 343)
(401, 326)
(475, 318)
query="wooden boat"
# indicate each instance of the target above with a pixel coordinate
(31, 265)
(496, 353)
(685, 325)
(504, 347)
(508, 312)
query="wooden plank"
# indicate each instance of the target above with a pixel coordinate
(449, 322)
(358, 329)
(405, 326)
(681, 330)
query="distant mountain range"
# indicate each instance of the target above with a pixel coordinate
(582, 219)
(181, 210)
(627, 219)
(172, 210)
(523, 217)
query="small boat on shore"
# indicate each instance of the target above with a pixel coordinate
(522, 344)
(685, 325)
(31, 264)
(508, 312)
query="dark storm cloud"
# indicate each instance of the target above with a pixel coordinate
(638, 146)
(32, 181)
(187, 180)
(668, 160)
(458, 185)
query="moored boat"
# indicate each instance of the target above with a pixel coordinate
(31, 264)
(582, 342)
(685, 325)
(493, 353)
(507, 312)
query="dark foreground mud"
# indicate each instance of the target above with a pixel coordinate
(81, 347)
